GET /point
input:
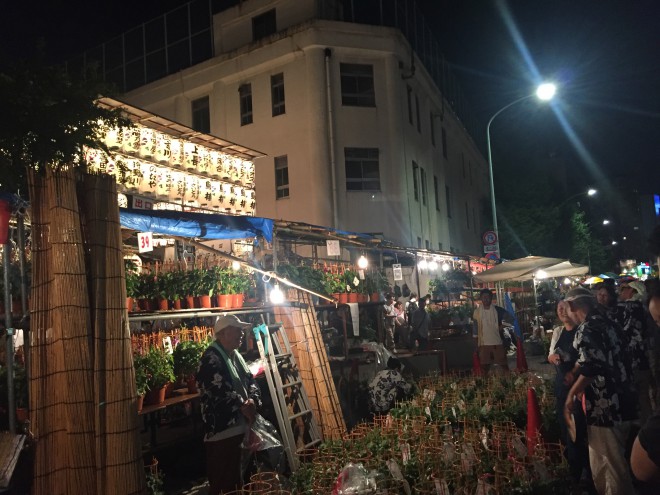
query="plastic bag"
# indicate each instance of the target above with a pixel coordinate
(261, 435)
(354, 479)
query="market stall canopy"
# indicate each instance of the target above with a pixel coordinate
(526, 268)
(201, 225)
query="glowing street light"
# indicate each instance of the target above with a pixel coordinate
(362, 262)
(276, 295)
(606, 222)
(544, 92)
(591, 192)
(614, 243)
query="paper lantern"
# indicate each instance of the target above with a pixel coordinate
(192, 188)
(176, 153)
(149, 179)
(163, 152)
(216, 191)
(131, 140)
(134, 173)
(225, 169)
(248, 180)
(113, 138)
(190, 157)
(205, 193)
(178, 191)
(203, 160)
(122, 171)
(235, 170)
(147, 142)
(164, 185)
(93, 160)
(122, 200)
(214, 164)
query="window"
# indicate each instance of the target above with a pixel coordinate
(419, 121)
(410, 110)
(437, 194)
(423, 184)
(362, 172)
(427, 244)
(467, 216)
(201, 116)
(264, 25)
(444, 142)
(439, 246)
(245, 92)
(281, 177)
(432, 128)
(415, 183)
(277, 94)
(357, 85)
(448, 198)
(419, 242)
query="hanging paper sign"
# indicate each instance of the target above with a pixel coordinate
(142, 203)
(167, 344)
(333, 248)
(145, 242)
(122, 200)
(361, 274)
(398, 273)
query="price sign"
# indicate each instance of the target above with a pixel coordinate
(398, 273)
(333, 248)
(145, 242)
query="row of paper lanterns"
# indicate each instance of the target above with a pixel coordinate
(165, 184)
(160, 148)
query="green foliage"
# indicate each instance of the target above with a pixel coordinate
(158, 367)
(131, 282)
(145, 286)
(333, 283)
(585, 249)
(47, 116)
(305, 276)
(461, 311)
(186, 357)
(141, 378)
(349, 278)
(438, 288)
(375, 281)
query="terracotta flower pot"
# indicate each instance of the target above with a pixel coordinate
(140, 402)
(192, 384)
(129, 304)
(205, 301)
(362, 298)
(352, 297)
(237, 300)
(343, 298)
(375, 297)
(225, 300)
(190, 302)
(176, 304)
(145, 304)
(21, 414)
(156, 396)
(163, 304)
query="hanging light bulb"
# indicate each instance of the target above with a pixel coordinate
(276, 295)
(362, 262)
(541, 274)
(423, 264)
(235, 265)
(567, 281)
(445, 266)
(433, 265)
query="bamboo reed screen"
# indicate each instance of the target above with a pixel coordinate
(82, 388)
(304, 334)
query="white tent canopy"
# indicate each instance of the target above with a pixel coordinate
(526, 269)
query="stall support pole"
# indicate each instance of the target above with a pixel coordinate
(10, 341)
(419, 292)
(20, 223)
(275, 246)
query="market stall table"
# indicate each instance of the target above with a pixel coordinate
(151, 413)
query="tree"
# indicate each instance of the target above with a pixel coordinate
(47, 117)
(585, 249)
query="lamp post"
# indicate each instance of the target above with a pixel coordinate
(544, 92)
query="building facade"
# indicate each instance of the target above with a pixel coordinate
(357, 132)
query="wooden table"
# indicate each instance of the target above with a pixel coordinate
(151, 413)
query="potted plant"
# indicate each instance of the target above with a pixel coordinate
(461, 313)
(159, 370)
(241, 282)
(374, 283)
(131, 277)
(352, 282)
(224, 284)
(207, 284)
(192, 286)
(186, 358)
(141, 385)
(440, 317)
(145, 290)
(334, 286)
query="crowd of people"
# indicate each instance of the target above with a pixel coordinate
(406, 326)
(607, 386)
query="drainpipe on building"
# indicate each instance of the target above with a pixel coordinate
(331, 136)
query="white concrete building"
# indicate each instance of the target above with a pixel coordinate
(356, 131)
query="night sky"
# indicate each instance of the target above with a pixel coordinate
(603, 54)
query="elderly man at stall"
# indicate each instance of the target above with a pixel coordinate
(488, 320)
(604, 376)
(229, 398)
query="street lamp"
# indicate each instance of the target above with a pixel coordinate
(589, 192)
(544, 92)
(606, 222)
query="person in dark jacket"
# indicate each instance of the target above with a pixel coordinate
(229, 399)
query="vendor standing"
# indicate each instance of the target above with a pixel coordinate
(488, 321)
(229, 400)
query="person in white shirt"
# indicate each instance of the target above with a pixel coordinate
(488, 321)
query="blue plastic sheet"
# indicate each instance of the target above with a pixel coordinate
(201, 225)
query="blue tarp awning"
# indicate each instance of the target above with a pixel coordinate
(202, 225)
